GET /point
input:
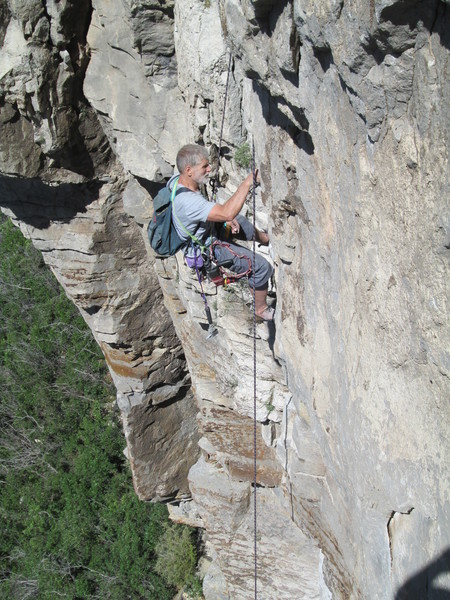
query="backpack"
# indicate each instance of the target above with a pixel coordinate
(162, 234)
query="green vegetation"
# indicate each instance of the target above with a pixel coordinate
(269, 403)
(177, 556)
(243, 156)
(71, 524)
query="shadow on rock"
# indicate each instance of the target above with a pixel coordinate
(425, 585)
(38, 204)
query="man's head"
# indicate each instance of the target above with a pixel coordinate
(193, 162)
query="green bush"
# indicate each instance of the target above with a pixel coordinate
(177, 556)
(71, 524)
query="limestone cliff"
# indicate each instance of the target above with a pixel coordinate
(346, 103)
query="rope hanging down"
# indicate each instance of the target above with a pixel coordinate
(219, 151)
(254, 373)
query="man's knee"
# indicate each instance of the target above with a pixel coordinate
(246, 227)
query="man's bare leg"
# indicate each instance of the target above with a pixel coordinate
(261, 307)
(262, 237)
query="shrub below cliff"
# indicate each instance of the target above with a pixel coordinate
(176, 556)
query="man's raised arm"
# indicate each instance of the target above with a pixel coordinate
(232, 207)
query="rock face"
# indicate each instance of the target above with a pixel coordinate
(346, 104)
(70, 193)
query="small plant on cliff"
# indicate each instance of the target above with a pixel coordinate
(243, 156)
(269, 404)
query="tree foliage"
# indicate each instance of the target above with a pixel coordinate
(177, 557)
(71, 524)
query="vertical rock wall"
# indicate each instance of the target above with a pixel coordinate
(345, 102)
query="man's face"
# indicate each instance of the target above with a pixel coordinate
(200, 172)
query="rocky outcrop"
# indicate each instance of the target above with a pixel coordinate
(345, 103)
(69, 191)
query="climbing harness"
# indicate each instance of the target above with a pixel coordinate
(215, 271)
(218, 273)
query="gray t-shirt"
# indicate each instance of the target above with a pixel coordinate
(192, 209)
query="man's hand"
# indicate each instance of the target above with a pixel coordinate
(232, 207)
(235, 227)
(249, 178)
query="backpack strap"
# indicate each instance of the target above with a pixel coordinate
(194, 239)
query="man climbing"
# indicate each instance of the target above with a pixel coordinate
(196, 215)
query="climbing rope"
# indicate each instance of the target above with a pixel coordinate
(219, 151)
(254, 373)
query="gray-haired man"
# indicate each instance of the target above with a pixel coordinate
(198, 216)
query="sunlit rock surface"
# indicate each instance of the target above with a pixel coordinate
(346, 104)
